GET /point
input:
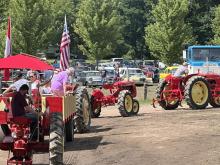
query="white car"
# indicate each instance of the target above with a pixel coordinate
(135, 74)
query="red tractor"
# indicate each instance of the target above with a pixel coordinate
(122, 93)
(198, 90)
(62, 116)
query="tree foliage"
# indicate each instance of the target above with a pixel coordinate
(200, 17)
(135, 15)
(99, 25)
(216, 26)
(36, 24)
(167, 35)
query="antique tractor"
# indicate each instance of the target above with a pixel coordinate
(198, 90)
(62, 116)
(121, 92)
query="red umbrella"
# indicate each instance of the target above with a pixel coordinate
(24, 61)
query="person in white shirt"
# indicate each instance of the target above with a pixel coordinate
(183, 69)
(19, 81)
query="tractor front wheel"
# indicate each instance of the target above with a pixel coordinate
(82, 119)
(197, 92)
(135, 107)
(56, 139)
(95, 112)
(125, 103)
(162, 96)
(215, 102)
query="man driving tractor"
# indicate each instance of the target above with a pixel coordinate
(20, 107)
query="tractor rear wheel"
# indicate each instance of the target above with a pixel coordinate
(95, 112)
(56, 145)
(135, 107)
(125, 103)
(82, 119)
(161, 96)
(69, 130)
(197, 92)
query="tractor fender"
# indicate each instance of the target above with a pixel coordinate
(97, 93)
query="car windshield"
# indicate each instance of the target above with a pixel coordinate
(93, 74)
(133, 72)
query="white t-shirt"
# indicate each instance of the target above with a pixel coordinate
(180, 71)
(18, 84)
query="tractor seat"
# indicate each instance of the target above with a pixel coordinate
(20, 120)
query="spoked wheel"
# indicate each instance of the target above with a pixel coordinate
(125, 103)
(82, 119)
(163, 96)
(197, 92)
(56, 139)
(215, 102)
(95, 111)
(135, 107)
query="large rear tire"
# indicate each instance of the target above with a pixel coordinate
(56, 146)
(95, 112)
(197, 92)
(167, 105)
(125, 103)
(82, 119)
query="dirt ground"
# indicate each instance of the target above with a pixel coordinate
(154, 137)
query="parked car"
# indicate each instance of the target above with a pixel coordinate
(168, 71)
(134, 74)
(90, 78)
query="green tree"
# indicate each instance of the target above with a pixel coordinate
(200, 17)
(36, 24)
(168, 34)
(216, 26)
(99, 25)
(136, 15)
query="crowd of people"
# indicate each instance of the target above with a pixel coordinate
(57, 85)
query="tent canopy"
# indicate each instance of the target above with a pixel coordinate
(24, 61)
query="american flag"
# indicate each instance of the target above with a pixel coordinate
(8, 48)
(65, 48)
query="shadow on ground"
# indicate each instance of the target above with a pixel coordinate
(85, 143)
(97, 129)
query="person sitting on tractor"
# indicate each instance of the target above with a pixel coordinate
(182, 69)
(60, 82)
(20, 107)
(19, 81)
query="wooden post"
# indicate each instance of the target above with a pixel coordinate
(145, 91)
